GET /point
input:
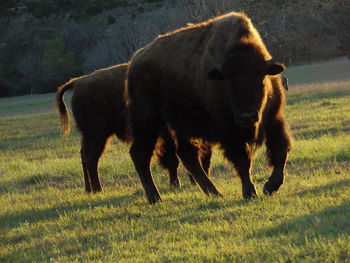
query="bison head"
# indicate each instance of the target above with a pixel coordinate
(243, 74)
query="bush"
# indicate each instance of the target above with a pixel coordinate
(94, 8)
(111, 20)
(41, 8)
(112, 4)
(59, 64)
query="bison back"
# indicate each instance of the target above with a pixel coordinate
(98, 103)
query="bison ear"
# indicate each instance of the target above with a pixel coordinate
(215, 74)
(274, 69)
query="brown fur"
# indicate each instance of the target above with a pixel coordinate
(100, 111)
(211, 81)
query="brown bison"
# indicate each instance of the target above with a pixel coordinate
(213, 80)
(285, 83)
(100, 111)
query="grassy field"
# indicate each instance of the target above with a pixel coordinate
(46, 217)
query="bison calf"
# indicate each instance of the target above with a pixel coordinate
(100, 111)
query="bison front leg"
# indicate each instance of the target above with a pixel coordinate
(145, 130)
(141, 154)
(278, 144)
(188, 154)
(241, 159)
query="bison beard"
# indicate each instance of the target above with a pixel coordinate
(216, 81)
(100, 111)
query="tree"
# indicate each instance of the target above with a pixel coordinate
(58, 64)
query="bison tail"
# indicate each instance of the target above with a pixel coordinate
(62, 108)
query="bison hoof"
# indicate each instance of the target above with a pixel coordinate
(193, 182)
(154, 199)
(270, 188)
(250, 193)
(175, 183)
(220, 195)
(97, 190)
(213, 191)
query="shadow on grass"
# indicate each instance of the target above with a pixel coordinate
(160, 221)
(324, 188)
(37, 182)
(28, 141)
(42, 182)
(315, 134)
(341, 157)
(329, 162)
(208, 212)
(73, 248)
(36, 215)
(329, 223)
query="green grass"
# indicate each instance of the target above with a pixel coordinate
(45, 215)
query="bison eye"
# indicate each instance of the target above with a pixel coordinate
(215, 74)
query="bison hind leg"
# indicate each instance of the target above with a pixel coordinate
(188, 154)
(91, 151)
(204, 155)
(87, 182)
(141, 154)
(166, 153)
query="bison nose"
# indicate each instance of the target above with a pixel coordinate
(247, 118)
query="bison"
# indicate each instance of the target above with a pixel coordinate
(100, 111)
(216, 81)
(285, 83)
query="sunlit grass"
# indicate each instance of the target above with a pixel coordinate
(45, 215)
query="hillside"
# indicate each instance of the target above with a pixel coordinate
(43, 43)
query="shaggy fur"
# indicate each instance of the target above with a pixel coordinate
(214, 81)
(100, 111)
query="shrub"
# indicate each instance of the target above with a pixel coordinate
(111, 19)
(41, 8)
(94, 8)
(59, 64)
